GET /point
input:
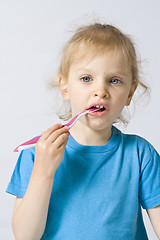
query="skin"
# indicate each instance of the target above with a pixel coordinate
(154, 216)
(106, 79)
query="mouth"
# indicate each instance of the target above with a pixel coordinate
(100, 108)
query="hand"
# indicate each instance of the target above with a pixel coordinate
(49, 150)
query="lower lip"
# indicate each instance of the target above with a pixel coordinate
(98, 114)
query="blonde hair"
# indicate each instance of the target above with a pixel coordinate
(99, 36)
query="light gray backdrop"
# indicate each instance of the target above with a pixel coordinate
(31, 36)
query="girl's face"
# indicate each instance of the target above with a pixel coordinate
(104, 80)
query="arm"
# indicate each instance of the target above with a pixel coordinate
(154, 215)
(30, 212)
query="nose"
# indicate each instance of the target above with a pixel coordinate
(101, 91)
(100, 94)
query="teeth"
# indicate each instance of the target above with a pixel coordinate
(99, 106)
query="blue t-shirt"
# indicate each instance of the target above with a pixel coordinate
(98, 191)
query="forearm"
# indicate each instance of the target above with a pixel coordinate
(30, 214)
(29, 218)
(154, 215)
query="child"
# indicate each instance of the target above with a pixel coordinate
(89, 182)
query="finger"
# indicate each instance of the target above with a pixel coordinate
(50, 130)
(56, 134)
(62, 139)
(63, 145)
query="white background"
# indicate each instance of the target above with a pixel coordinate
(31, 36)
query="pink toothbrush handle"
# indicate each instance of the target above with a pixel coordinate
(74, 120)
(70, 123)
(32, 141)
(35, 140)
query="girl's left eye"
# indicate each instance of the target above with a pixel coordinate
(115, 81)
(86, 79)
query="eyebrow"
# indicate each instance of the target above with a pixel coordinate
(84, 69)
(116, 73)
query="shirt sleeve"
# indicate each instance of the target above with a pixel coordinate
(149, 185)
(21, 175)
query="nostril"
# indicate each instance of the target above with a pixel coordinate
(100, 94)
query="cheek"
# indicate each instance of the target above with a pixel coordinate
(75, 100)
(78, 102)
(76, 92)
(121, 100)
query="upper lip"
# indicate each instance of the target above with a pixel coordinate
(98, 104)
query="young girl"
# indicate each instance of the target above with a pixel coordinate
(89, 182)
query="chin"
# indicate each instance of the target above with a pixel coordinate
(99, 127)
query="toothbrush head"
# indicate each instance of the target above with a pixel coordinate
(93, 109)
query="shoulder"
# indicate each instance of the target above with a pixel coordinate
(22, 172)
(140, 147)
(28, 153)
(26, 158)
(138, 142)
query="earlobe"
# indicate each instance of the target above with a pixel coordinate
(132, 91)
(63, 88)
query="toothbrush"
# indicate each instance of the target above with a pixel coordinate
(32, 142)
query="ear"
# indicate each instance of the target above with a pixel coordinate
(63, 87)
(132, 90)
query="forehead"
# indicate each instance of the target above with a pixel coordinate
(86, 51)
(84, 56)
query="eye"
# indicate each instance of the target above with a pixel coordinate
(115, 81)
(86, 79)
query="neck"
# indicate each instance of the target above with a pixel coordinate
(91, 137)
